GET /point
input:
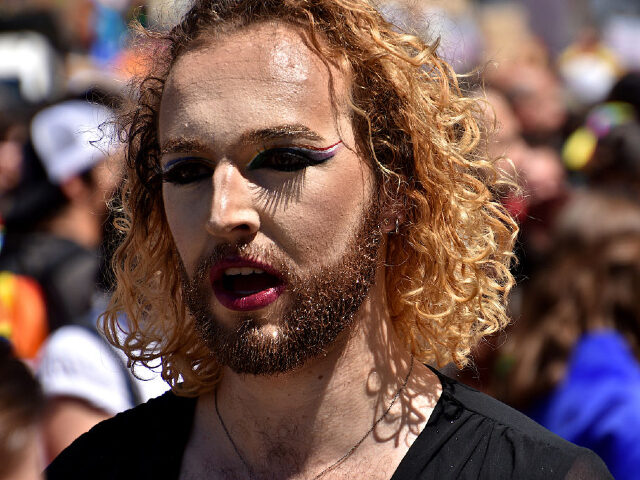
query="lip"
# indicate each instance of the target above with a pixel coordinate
(254, 301)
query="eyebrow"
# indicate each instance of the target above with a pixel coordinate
(183, 145)
(293, 131)
(288, 131)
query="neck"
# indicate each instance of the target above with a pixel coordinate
(301, 422)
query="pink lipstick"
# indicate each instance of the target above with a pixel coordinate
(243, 284)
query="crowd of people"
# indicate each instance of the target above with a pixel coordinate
(560, 116)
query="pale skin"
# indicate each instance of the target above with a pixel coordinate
(29, 464)
(65, 420)
(292, 425)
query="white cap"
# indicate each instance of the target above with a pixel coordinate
(69, 139)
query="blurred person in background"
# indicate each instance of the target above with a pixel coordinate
(615, 164)
(538, 172)
(23, 316)
(12, 137)
(572, 359)
(21, 408)
(61, 244)
(537, 99)
(54, 216)
(86, 380)
(535, 192)
(57, 225)
(588, 69)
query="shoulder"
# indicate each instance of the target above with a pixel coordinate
(484, 438)
(144, 442)
(499, 415)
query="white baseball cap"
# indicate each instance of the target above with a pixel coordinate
(71, 137)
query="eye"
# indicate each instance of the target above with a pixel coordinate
(291, 159)
(184, 171)
(282, 160)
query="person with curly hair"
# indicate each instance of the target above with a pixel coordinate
(309, 221)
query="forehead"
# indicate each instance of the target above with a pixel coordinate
(258, 76)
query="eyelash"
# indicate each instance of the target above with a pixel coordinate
(188, 170)
(288, 159)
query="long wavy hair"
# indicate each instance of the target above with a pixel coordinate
(448, 267)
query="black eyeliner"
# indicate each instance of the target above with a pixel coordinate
(315, 156)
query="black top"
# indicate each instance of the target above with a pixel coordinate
(468, 436)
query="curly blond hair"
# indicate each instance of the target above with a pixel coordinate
(448, 268)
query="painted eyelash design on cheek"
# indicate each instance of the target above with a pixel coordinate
(313, 156)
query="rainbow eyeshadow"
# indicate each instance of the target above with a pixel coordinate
(289, 159)
(175, 161)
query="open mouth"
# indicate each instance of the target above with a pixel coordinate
(245, 287)
(245, 281)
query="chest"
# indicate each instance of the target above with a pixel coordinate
(373, 465)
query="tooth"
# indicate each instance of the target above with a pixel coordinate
(242, 271)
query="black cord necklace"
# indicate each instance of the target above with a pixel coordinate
(341, 459)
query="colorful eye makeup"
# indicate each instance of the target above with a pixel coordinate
(290, 159)
(176, 161)
(186, 170)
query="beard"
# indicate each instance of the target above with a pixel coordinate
(320, 306)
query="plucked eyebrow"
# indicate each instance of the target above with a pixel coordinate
(294, 131)
(251, 137)
(181, 145)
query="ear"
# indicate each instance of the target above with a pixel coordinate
(393, 218)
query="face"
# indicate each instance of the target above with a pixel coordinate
(270, 207)
(539, 103)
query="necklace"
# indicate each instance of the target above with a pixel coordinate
(341, 459)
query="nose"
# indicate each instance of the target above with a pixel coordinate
(232, 216)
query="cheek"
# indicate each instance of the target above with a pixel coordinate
(321, 224)
(185, 221)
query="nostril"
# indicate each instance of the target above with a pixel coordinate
(233, 226)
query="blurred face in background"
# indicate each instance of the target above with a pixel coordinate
(537, 99)
(10, 165)
(105, 177)
(79, 19)
(11, 145)
(537, 170)
(29, 464)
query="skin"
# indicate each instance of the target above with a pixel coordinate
(538, 100)
(30, 464)
(82, 218)
(538, 170)
(66, 419)
(295, 424)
